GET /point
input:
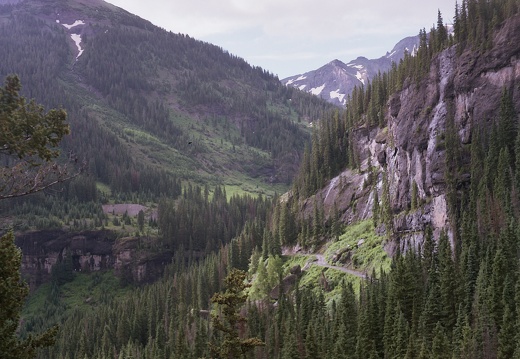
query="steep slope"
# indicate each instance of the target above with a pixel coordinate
(424, 161)
(445, 155)
(336, 80)
(143, 102)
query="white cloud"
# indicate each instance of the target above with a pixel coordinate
(267, 32)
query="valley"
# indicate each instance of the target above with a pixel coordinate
(385, 228)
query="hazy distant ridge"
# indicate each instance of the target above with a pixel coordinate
(336, 80)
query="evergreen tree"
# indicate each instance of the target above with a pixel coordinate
(442, 33)
(260, 287)
(440, 345)
(230, 302)
(140, 220)
(386, 207)
(30, 137)
(506, 337)
(376, 211)
(12, 296)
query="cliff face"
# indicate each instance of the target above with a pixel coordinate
(89, 251)
(411, 148)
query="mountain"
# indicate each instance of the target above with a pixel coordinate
(399, 237)
(147, 106)
(336, 80)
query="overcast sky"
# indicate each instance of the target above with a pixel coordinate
(290, 37)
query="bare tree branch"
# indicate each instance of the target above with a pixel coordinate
(23, 178)
(29, 139)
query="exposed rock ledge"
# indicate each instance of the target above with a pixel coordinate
(90, 251)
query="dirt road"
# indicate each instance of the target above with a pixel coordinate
(323, 263)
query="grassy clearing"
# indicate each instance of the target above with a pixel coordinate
(334, 278)
(291, 261)
(311, 276)
(103, 188)
(85, 291)
(367, 256)
(91, 289)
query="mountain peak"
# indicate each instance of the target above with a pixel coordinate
(336, 62)
(335, 80)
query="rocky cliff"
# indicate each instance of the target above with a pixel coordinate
(89, 251)
(410, 149)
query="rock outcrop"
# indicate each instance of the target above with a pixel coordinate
(411, 148)
(89, 251)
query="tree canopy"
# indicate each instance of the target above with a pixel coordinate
(12, 296)
(28, 143)
(29, 138)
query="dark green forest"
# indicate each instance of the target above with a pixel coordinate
(149, 111)
(455, 296)
(142, 101)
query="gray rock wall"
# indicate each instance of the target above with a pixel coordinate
(411, 149)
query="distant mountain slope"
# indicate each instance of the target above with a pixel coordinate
(144, 102)
(336, 80)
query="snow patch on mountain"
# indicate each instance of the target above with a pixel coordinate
(300, 78)
(338, 95)
(335, 80)
(76, 23)
(77, 40)
(359, 76)
(317, 90)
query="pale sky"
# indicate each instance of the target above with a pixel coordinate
(290, 37)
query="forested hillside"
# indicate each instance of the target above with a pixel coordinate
(150, 111)
(142, 101)
(423, 167)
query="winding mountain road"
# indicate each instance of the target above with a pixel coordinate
(320, 261)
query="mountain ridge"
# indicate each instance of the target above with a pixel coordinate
(146, 88)
(335, 80)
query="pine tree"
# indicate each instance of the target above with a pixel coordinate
(414, 195)
(448, 283)
(140, 220)
(12, 296)
(230, 302)
(507, 123)
(440, 344)
(442, 33)
(375, 208)
(286, 226)
(506, 337)
(516, 354)
(290, 342)
(386, 207)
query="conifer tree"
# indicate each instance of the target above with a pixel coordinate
(447, 283)
(290, 342)
(440, 344)
(375, 208)
(507, 122)
(12, 296)
(230, 302)
(414, 195)
(386, 207)
(30, 137)
(506, 337)
(442, 33)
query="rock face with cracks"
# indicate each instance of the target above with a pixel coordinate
(89, 251)
(411, 149)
